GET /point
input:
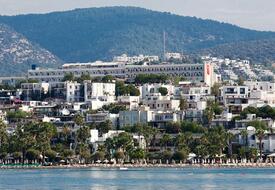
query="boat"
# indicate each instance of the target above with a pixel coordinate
(123, 168)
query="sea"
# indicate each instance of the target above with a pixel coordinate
(138, 179)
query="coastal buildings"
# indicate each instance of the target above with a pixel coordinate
(164, 116)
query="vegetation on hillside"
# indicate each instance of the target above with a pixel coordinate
(259, 51)
(100, 33)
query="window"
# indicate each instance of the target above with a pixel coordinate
(242, 90)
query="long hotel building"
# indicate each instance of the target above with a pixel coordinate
(193, 72)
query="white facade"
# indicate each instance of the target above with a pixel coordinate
(263, 85)
(194, 72)
(173, 56)
(95, 90)
(99, 94)
(149, 89)
(131, 101)
(235, 98)
(161, 103)
(261, 91)
(135, 59)
(73, 91)
(130, 118)
(98, 102)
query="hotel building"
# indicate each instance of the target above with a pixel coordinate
(192, 72)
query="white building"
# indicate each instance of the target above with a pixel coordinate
(161, 103)
(135, 59)
(67, 91)
(235, 98)
(132, 102)
(73, 92)
(99, 94)
(173, 56)
(262, 85)
(130, 118)
(100, 117)
(261, 92)
(98, 102)
(95, 90)
(193, 72)
(149, 89)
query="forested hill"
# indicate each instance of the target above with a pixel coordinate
(100, 33)
(258, 51)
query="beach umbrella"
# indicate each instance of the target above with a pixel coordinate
(106, 161)
(98, 161)
(271, 155)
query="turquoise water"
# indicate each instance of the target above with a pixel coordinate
(138, 179)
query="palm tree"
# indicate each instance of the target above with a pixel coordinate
(229, 137)
(180, 140)
(260, 127)
(65, 134)
(217, 140)
(208, 114)
(260, 133)
(3, 137)
(244, 134)
(183, 104)
(166, 139)
(79, 120)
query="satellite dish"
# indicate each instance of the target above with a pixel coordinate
(65, 112)
(250, 128)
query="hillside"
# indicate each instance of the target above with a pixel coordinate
(17, 54)
(258, 51)
(100, 33)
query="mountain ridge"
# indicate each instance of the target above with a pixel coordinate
(17, 53)
(90, 34)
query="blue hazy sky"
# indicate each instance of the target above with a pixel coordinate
(256, 14)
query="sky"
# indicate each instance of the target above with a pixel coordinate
(254, 14)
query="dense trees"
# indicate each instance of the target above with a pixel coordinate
(108, 78)
(13, 116)
(263, 112)
(104, 127)
(114, 108)
(213, 108)
(151, 78)
(258, 51)
(40, 142)
(32, 140)
(84, 77)
(184, 126)
(163, 91)
(68, 77)
(122, 89)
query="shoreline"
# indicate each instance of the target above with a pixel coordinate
(142, 166)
